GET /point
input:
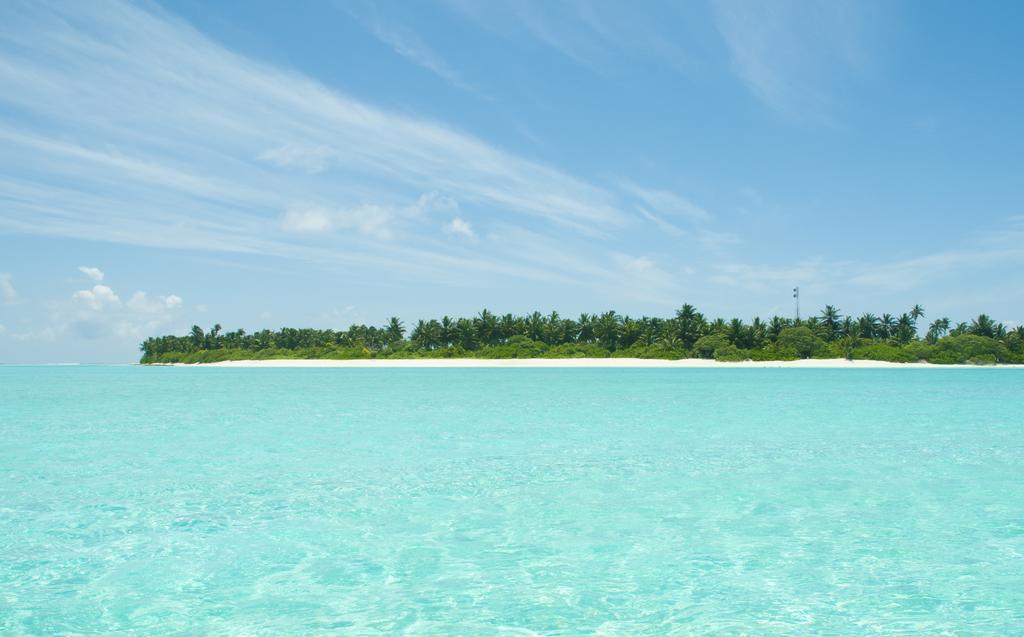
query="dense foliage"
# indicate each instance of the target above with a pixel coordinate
(687, 334)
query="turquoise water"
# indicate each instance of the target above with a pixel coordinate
(521, 501)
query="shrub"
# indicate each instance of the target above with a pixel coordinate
(773, 353)
(983, 359)
(516, 347)
(967, 347)
(706, 346)
(577, 350)
(918, 351)
(829, 350)
(456, 351)
(347, 353)
(731, 354)
(800, 340)
(879, 351)
(650, 351)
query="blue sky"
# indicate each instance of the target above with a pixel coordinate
(319, 164)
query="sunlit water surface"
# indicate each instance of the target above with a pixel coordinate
(482, 502)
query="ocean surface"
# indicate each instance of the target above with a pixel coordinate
(511, 501)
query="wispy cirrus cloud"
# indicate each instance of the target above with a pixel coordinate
(408, 44)
(869, 285)
(666, 203)
(379, 222)
(177, 142)
(792, 54)
(312, 159)
(594, 34)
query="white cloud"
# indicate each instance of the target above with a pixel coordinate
(99, 312)
(459, 226)
(369, 220)
(635, 265)
(93, 273)
(3, 328)
(7, 291)
(97, 297)
(434, 201)
(142, 303)
(306, 220)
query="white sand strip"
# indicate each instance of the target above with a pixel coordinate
(833, 363)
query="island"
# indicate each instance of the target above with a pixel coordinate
(686, 335)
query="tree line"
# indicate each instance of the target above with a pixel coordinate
(904, 337)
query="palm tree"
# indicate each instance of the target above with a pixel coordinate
(869, 325)
(198, 338)
(487, 328)
(735, 332)
(553, 331)
(758, 332)
(511, 325)
(535, 327)
(394, 331)
(983, 326)
(585, 329)
(465, 333)
(629, 333)
(650, 331)
(606, 329)
(849, 327)
(937, 329)
(671, 342)
(904, 329)
(916, 312)
(848, 343)
(887, 326)
(690, 325)
(776, 325)
(448, 333)
(419, 334)
(830, 319)
(719, 326)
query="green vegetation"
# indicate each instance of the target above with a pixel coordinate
(685, 335)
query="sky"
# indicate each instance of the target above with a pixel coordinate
(320, 164)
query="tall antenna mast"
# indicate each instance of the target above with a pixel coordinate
(796, 295)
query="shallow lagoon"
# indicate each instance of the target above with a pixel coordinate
(490, 501)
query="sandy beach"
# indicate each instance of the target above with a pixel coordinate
(833, 363)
